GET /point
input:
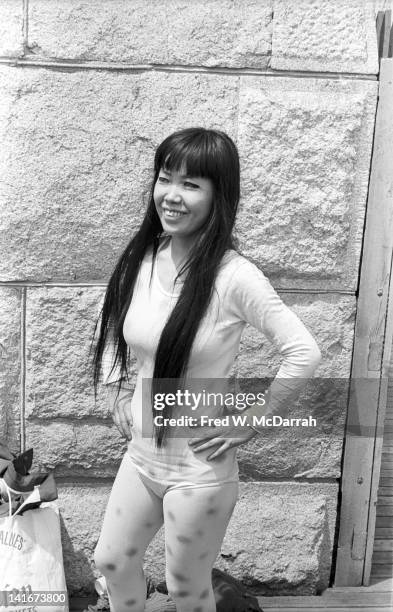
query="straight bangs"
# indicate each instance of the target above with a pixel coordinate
(194, 157)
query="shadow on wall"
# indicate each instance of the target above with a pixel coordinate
(77, 566)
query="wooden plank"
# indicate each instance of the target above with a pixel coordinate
(386, 473)
(380, 584)
(360, 470)
(382, 571)
(385, 492)
(384, 521)
(384, 400)
(320, 603)
(383, 557)
(386, 482)
(332, 609)
(339, 599)
(386, 33)
(385, 544)
(385, 500)
(383, 533)
(385, 511)
(354, 597)
(290, 603)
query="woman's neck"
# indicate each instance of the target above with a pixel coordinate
(180, 248)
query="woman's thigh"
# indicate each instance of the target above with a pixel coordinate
(195, 523)
(132, 517)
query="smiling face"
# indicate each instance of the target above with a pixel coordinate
(183, 203)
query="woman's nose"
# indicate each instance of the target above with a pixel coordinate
(172, 195)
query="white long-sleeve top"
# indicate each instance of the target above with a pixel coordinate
(242, 295)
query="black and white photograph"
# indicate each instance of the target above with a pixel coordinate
(196, 305)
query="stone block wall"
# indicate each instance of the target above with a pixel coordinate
(87, 91)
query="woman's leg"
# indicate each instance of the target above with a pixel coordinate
(132, 517)
(195, 523)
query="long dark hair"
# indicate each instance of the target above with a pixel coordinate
(208, 154)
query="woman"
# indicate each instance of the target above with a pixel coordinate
(179, 298)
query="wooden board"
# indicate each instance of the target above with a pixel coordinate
(383, 533)
(362, 457)
(340, 599)
(273, 608)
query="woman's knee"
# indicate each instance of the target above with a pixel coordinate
(104, 558)
(110, 561)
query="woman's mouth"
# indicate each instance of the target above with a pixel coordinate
(172, 214)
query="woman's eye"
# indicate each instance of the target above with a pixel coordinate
(162, 179)
(193, 185)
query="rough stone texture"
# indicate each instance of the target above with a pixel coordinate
(59, 329)
(313, 136)
(10, 360)
(68, 429)
(11, 28)
(305, 146)
(286, 547)
(297, 451)
(82, 510)
(155, 32)
(292, 454)
(334, 36)
(77, 153)
(71, 448)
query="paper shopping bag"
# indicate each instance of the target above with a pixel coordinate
(31, 561)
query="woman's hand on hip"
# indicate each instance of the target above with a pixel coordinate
(220, 438)
(120, 408)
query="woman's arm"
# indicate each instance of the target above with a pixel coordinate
(252, 299)
(256, 302)
(119, 392)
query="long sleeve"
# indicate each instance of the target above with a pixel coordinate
(254, 301)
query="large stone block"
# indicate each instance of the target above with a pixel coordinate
(154, 32)
(11, 28)
(285, 549)
(335, 36)
(59, 331)
(288, 543)
(77, 449)
(10, 361)
(78, 152)
(70, 431)
(306, 146)
(293, 453)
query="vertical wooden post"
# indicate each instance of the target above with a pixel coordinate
(368, 395)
